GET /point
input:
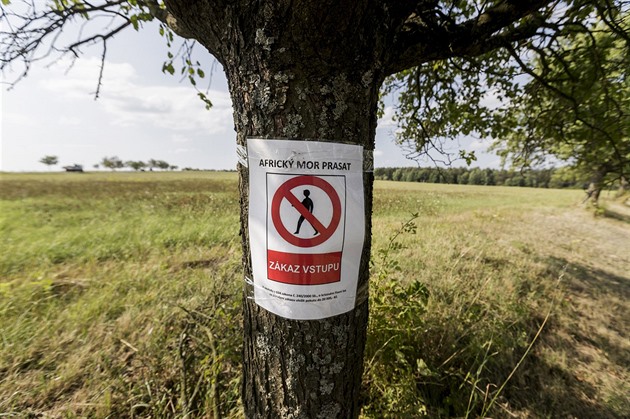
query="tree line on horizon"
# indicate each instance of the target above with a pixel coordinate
(558, 178)
(115, 162)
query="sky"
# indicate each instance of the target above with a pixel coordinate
(141, 113)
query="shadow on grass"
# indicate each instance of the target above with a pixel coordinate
(617, 210)
(594, 282)
(585, 338)
(608, 213)
(198, 264)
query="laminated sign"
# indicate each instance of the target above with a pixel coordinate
(306, 226)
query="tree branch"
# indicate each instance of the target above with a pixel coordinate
(166, 17)
(435, 35)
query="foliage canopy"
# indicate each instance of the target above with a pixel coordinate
(573, 43)
(580, 111)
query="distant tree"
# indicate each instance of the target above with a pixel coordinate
(152, 163)
(161, 164)
(397, 175)
(172, 167)
(112, 163)
(490, 180)
(136, 165)
(477, 177)
(463, 178)
(408, 175)
(567, 177)
(49, 160)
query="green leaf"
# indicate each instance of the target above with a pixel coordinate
(168, 68)
(205, 99)
(467, 156)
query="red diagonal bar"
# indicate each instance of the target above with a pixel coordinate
(305, 213)
(285, 191)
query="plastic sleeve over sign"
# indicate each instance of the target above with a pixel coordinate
(363, 289)
(363, 292)
(241, 154)
(368, 161)
(306, 226)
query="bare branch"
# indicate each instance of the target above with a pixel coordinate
(33, 32)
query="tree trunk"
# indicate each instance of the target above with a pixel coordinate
(624, 186)
(595, 187)
(303, 72)
(313, 368)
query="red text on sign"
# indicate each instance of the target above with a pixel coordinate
(304, 269)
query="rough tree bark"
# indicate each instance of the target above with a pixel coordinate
(302, 369)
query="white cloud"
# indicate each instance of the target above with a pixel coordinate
(387, 120)
(16, 118)
(492, 100)
(132, 103)
(140, 113)
(175, 108)
(70, 121)
(180, 139)
(479, 144)
(79, 79)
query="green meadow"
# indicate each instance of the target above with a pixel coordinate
(120, 296)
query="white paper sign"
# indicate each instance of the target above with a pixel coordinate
(306, 226)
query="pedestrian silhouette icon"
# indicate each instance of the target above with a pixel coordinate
(314, 204)
(308, 204)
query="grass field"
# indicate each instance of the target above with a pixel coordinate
(120, 297)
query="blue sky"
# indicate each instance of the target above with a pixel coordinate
(140, 114)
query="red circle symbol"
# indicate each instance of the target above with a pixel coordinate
(284, 192)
